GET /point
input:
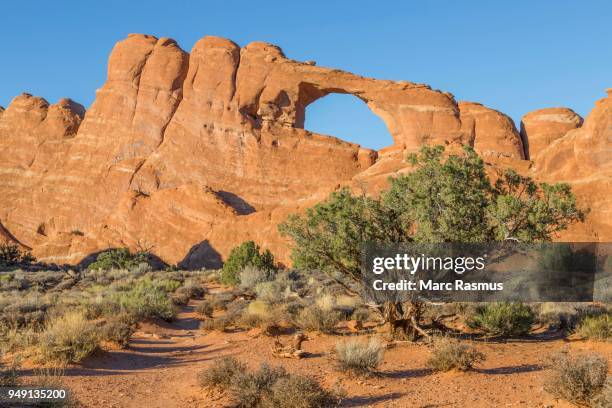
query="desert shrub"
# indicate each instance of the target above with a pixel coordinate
(205, 308)
(251, 275)
(220, 301)
(604, 398)
(359, 357)
(272, 292)
(218, 324)
(577, 379)
(596, 327)
(11, 254)
(221, 373)
(194, 289)
(146, 300)
(68, 339)
(503, 319)
(448, 354)
(118, 330)
(317, 319)
(247, 253)
(248, 389)
(120, 258)
(298, 391)
(168, 285)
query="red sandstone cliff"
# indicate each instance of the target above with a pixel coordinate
(195, 153)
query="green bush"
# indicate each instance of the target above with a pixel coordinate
(604, 398)
(146, 300)
(247, 253)
(577, 379)
(68, 339)
(120, 258)
(221, 373)
(11, 254)
(358, 357)
(503, 319)
(596, 327)
(448, 354)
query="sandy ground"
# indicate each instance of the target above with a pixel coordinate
(160, 368)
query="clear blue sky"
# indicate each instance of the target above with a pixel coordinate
(515, 56)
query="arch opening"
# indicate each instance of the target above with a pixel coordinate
(347, 117)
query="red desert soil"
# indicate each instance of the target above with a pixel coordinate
(160, 368)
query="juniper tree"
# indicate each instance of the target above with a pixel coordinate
(443, 199)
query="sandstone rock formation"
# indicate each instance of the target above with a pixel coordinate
(192, 153)
(544, 126)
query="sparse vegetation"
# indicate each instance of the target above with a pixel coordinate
(578, 379)
(146, 300)
(503, 319)
(448, 354)
(359, 357)
(68, 339)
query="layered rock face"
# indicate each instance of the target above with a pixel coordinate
(191, 154)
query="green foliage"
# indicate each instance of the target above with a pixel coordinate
(577, 379)
(247, 253)
(596, 327)
(146, 300)
(448, 200)
(120, 258)
(448, 354)
(503, 319)
(11, 255)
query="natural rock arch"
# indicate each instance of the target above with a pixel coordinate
(346, 103)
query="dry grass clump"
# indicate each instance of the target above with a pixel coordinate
(221, 373)
(359, 357)
(251, 275)
(578, 379)
(316, 319)
(596, 327)
(68, 339)
(448, 354)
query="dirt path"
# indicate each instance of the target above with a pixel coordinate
(160, 368)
